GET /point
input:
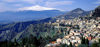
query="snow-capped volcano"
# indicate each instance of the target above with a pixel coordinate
(37, 8)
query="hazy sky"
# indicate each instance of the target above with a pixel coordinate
(15, 5)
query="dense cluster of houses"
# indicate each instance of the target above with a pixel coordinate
(89, 29)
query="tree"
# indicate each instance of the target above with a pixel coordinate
(3, 44)
(70, 45)
(87, 41)
(99, 41)
(83, 45)
(24, 41)
(94, 45)
(83, 40)
(15, 44)
(63, 45)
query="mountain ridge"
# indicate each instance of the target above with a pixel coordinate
(21, 16)
(78, 12)
(21, 28)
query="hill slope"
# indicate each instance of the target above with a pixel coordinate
(96, 12)
(7, 17)
(23, 29)
(74, 13)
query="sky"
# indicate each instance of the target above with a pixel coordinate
(65, 5)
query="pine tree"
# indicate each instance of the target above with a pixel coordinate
(83, 40)
(15, 44)
(99, 41)
(94, 45)
(70, 45)
(63, 45)
(87, 41)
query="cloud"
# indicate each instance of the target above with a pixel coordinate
(13, 5)
(31, 1)
(10, 5)
(23, 1)
(36, 8)
(8, 0)
(97, 2)
(4, 7)
(58, 3)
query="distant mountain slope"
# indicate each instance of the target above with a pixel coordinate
(74, 13)
(23, 29)
(11, 31)
(28, 15)
(96, 12)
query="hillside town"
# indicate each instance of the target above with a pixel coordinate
(77, 28)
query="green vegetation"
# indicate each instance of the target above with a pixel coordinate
(34, 35)
(96, 44)
(63, 45)
(85, 43)
(70, 45)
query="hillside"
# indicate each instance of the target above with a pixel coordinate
(78, 12)
(27, 15)
(18, 29)
(96, 12)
